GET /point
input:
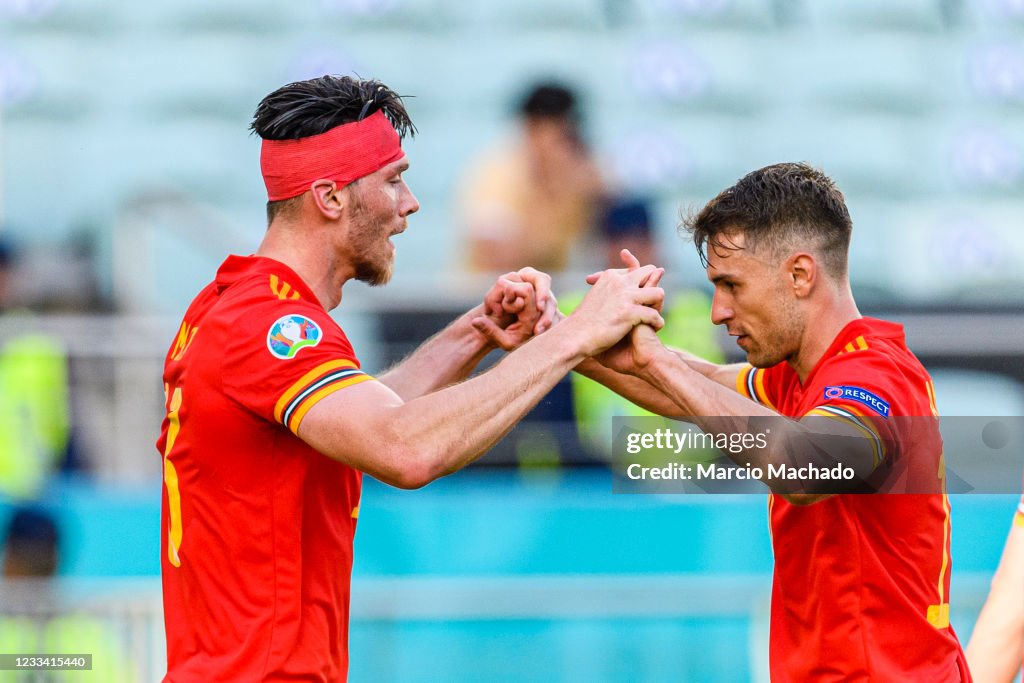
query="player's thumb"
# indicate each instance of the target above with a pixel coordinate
(490, 330)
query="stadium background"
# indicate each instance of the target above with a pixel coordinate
(127, 173)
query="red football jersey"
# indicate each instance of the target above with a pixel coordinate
(257, 526)
(861, 584)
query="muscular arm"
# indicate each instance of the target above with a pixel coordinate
(646, 395)
(997, 644)
(410, 443)
(716, 408)
(518, 305)
(447, 357)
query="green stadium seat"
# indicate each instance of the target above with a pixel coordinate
(714, 72)
(66, 19)
(921, 16)
(993, 17)
(843, 72)
(949, 249)
(518, 15)
(347, 17)
(693, 16)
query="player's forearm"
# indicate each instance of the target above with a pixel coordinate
(778, 443)
(447, 357)
(721, 374)
(647, 396)
(996, 648)
(698, 395)
(444, 431)
(632, 388)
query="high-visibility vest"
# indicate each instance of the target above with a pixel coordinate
(34, 421)
(69, 634)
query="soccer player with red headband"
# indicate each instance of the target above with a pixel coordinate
(996, 650)
(861, 586)
(271, 420)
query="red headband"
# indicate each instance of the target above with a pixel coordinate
(342, 154)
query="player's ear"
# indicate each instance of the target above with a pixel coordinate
(328, 198)
(802, 270)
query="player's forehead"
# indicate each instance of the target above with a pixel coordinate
(728, 257)
(395, 167)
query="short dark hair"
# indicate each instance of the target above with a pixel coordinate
(306, 108)
(549, 100)
(777, 206)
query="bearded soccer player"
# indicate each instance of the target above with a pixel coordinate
(271, 420)
(996, 649)
(861, 584)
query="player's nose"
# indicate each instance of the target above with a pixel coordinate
(409, 203)
(721, 311)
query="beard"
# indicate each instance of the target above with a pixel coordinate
(781, 340)
(374, 259)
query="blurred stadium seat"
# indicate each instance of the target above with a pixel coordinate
(697, 16)
(998, 17)
(870, 91)
(906, 16)
(519, 15)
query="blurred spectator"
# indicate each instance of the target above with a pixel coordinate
(30, 544)
(627, 225)
(528, 201)
(34, 420)
(35, 621)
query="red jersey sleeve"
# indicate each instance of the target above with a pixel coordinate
(864, 390)
(284, 357)
(763, 385)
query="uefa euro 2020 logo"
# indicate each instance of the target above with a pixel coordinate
(291, 334)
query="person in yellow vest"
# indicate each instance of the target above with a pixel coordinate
(35, 621)
(627, 225)
(34, 419)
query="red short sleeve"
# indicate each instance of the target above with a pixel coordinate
(284, 357)
(764, 385)
(864, 391)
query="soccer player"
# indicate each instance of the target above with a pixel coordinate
(861, 582)
(271, 420)
(996, 649)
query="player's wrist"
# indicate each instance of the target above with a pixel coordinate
(570, 343)
(655, 367)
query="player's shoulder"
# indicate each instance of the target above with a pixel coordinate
(253, 287)
(883, 379)
(267, 286)
(870, 356)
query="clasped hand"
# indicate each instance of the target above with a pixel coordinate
(617, 319)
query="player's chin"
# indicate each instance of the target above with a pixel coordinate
(378, 273)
